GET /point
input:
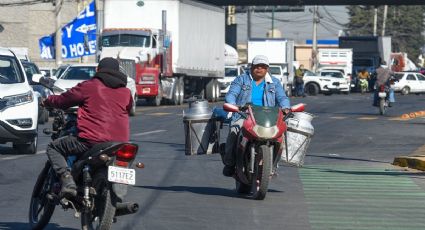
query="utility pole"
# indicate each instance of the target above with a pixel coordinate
(99, 27)
(249, 22)
(273, 21)
(384, 20)
(375, 21)
(58, 34)
(314, 50)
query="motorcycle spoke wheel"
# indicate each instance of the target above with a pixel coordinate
(41, 209)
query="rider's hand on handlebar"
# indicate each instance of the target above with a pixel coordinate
(286, 111)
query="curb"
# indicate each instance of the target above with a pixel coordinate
(414, 162)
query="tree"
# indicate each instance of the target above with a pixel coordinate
(405, 25)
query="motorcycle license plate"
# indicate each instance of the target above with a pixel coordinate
(382, 94)
(121, 175)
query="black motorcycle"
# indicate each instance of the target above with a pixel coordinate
(102, 176)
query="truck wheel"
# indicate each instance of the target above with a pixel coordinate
(181, 90)
(210, 91)
(156, 101)
(312, 89)
(176, 93)
(217, 90)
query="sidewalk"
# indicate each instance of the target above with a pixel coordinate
(416, 160)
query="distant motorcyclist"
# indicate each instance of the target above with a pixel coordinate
(259, 88)
(364, 78)
(383, 76)
(104, 103)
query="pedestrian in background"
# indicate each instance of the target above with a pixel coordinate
(299, 82)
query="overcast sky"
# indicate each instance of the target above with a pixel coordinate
(295, 25)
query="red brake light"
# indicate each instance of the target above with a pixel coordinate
(382, 89)
(127, 152)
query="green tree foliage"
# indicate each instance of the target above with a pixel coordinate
(405, 25)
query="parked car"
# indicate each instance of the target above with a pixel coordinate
(409, 82)
(326, 82)
(77, 73)
(18, 105)
(39, 90)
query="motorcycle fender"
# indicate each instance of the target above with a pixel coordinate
(120, 190)
(382, 94)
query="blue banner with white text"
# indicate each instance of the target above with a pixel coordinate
(78, 36)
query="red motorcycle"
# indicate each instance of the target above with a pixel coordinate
(259, 146)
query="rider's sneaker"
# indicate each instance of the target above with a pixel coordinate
(229, 171)
(69, 188)
(390, 104)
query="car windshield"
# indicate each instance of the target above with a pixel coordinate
(308, 73)
(275, 70)
(398, 76)
(126, 40)
(332, 74)
(79, 73)
(230, 71)
(9, 71)
(362, 62)
(60, 71)
(30, 69)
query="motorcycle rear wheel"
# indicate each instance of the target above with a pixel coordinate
(382, 106)
(39, 203)
(262, 172)
(102, 216)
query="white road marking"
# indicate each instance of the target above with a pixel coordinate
(13, 157)
(147, 133)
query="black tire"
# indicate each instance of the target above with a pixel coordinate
(382, 107)
(405, 90)
(46, 115)
(262, 172)
(156, 101)
(312, 89)
(176, 93)
(133, 108)
(181, 94)
(243, 188)
(39, 201)
(105, 206)
(41, 119)
(210, 91)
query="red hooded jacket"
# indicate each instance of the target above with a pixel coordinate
(102, 113)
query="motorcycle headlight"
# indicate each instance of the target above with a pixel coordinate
(18, 99)
(264, 132)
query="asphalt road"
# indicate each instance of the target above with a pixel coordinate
(347, 181)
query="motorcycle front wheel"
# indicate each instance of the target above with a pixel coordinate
(102, 216)
(262, 172)
(41, 209)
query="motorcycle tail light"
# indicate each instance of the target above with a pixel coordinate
(126, 153)
(382, 88)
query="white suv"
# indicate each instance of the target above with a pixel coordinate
(326, 82)
(18, 105)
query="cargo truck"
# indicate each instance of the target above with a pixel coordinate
(368, 51)
(280, 53)
(172, 48)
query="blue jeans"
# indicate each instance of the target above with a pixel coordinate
(299, 89)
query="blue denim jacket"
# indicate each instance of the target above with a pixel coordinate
(240, 92)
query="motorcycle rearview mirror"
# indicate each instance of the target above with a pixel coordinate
(298, 107)
(230, 108)
(44, 81)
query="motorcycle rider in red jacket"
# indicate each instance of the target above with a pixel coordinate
(104, 103)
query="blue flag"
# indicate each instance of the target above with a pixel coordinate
(78, 36)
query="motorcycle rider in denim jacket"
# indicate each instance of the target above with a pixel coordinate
(257, 87)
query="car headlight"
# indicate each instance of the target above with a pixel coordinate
(17, 99)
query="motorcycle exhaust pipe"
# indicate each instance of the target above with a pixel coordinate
(126, 208)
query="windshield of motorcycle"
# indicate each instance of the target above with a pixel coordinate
(265, 116)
